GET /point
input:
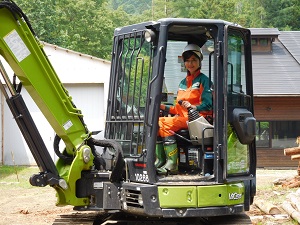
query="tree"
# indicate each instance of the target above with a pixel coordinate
(81, 25)
(253, 12)
(87, 25)
(39, 12)
(283, 14)
(130, 6)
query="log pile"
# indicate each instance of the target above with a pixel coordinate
(289, 208)
(295, 155)
(290, 182)
(292, 205)
(266, 211)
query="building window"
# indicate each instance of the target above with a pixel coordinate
(263, 134)
(254, 41)
(277, 134)
(263, 42)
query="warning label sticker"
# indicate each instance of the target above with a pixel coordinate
(16, 45)
(67, 125)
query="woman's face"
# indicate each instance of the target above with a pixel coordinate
(192, 64)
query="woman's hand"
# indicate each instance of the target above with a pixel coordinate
(187, 104)
(162, 107)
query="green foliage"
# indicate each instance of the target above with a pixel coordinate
(264, 125)
(81, 25)
(8, 170)
(126, 5)
(87, 25)
(283, 14)
(18, 176)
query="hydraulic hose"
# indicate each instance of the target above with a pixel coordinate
(119, 160)
(65, 158)
(92, 142)
(15, 10)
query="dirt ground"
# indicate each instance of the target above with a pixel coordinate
(32, 205)
(23, 206)
(271, 193)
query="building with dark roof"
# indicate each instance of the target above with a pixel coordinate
(276, 82)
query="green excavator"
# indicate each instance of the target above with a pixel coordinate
(216, 178)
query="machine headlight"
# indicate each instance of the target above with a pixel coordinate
(149, 35)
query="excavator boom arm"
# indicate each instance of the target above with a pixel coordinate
(24, 54)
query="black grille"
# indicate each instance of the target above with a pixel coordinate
(132, 198)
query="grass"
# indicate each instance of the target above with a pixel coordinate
(9, 170)
(16, 175)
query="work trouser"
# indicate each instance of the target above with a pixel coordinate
(169, 124)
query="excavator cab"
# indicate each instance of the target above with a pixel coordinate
(216, 161)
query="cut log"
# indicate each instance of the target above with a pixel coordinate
(267, 207)
(294, 185)
(291, 211)
(294, 199)
(279, 181)
(291, 183)
(295, 157)
(291, 151)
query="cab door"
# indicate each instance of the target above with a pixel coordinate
(239, 117)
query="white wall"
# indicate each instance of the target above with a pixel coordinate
(73, 67)
(85, 77)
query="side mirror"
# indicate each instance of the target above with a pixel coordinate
(244, 124)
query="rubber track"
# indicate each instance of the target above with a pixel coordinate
(83, 218)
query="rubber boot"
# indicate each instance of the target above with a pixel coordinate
(171, 151)
(160, 154)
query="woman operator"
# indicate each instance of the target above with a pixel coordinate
(193, 91)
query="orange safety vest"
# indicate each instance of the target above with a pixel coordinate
(196, 90)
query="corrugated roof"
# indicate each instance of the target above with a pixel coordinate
(275, 73)
(291, 41)
(74, 52)
(278, 72)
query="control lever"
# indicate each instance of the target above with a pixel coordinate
(192, 113)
